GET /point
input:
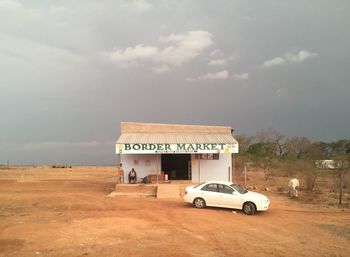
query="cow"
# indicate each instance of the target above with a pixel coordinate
(293, 187)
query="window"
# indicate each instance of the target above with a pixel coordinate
(225, 189)
(199, 184)
(210, 187)
(241, 190)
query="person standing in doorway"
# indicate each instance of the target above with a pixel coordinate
(120, 174)
(132, 176)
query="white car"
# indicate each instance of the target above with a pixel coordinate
(226, 195)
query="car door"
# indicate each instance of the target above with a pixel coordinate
(209, 193)
(229, 197)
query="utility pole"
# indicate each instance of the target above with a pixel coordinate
(8, 164)
(233, 161)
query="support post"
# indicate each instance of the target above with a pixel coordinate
(229, 174)
(341, 183)
(199, 170)
(157, 168)
(233, 168)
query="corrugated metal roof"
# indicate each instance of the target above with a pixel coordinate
(158, 128)
(152, 138)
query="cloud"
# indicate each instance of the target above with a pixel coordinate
(36, 52)
(161, 69)
(273, 62)
(133, 54)
(299, 57)
(178, 49)
(216, 53)
(10, 5)
(289, 57)
(14, 8)
(221, 75)
(219, 58)
(217, 62)
(142, 4)
(49, 145)
(241, 76)
(139, 5)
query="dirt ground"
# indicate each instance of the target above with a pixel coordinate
(67, 212)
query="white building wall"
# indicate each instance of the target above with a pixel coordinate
(202, 170)
(144, 164)
(205, 170)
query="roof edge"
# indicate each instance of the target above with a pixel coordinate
(138, 127)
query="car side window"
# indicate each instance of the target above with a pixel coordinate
(225, 189)
(210, 187)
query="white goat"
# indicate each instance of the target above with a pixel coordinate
(293, 187)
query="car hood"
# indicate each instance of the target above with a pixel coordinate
(255, 196)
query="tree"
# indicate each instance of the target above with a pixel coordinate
(271, 135)
(263, 153)
(244, 142)
(298, 146)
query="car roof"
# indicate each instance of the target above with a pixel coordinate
(228, 183)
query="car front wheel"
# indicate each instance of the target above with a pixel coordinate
(199, 202)
(249, 208)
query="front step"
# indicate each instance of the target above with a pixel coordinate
(168, 191)
(136, 189)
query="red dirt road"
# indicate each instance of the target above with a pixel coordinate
(42, 214)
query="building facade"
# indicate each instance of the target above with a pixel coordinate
(177, 152)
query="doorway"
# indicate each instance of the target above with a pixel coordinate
(177, 166)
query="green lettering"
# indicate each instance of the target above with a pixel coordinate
(160, 147)
(190, 147)
(127, 147)
(199, 147)
(181, 147)
(136, 147)
(167, 147)
(206, 147)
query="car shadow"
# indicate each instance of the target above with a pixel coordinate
(226, 210)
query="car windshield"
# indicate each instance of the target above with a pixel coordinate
(199, 185)
(241, 190)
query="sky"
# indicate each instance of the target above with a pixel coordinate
(71, 71)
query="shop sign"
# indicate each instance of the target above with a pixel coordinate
(175, 148)
(206, 156)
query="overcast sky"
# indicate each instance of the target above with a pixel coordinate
(71, 71)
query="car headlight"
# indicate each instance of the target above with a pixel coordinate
(265, 201)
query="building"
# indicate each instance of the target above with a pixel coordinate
(178, 152)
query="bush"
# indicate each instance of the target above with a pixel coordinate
(289, 168)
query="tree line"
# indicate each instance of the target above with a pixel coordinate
(273, 144)
(272, 151)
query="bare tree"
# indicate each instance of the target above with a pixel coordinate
(271, 135)
(298, 146)
(244, 142)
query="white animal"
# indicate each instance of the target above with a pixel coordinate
(293, 187)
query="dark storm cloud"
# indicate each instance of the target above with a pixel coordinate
(72, 70)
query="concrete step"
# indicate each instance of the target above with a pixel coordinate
(136, 188)
(168, 191)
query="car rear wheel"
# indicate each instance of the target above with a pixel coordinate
(199, 202)
(249, 208)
